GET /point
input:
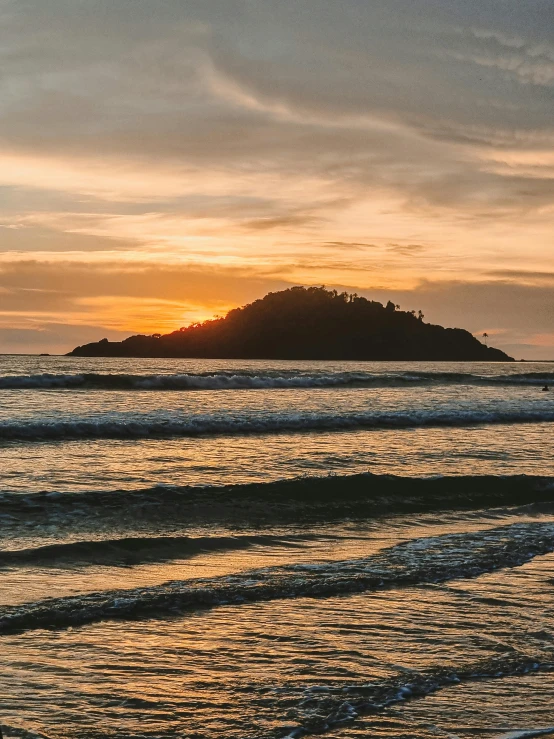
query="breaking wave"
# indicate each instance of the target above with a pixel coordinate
(245, 380)
(319, 711)
(140, 427)
(419, 561)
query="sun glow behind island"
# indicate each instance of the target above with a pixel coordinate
(159, 168)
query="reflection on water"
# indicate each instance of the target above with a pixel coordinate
(247, 673)
(117, 464)
(262, 669)
(398, 606)
(111, 464)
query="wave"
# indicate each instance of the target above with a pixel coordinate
(320, 711)
(313, 498)
(16, 731)
(419, 561)
(245, 380)
(142, 427)
(131, 550)
(315, 711)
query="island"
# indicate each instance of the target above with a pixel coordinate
(307, 323)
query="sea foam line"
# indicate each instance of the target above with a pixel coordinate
(248, 380)
(436, 559)
(137, 427)
(317, 713)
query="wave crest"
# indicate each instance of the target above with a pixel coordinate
(137, 427)
(316, 713)
(245, 380)
(436, 559)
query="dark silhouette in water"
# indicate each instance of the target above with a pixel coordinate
(545, 389)
(307, 323)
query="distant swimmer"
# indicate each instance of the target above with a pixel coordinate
(545, 389)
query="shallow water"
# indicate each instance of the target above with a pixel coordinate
(150, 589)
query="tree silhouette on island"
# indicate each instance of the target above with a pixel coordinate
(307, 323)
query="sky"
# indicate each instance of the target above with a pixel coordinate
(162, 161)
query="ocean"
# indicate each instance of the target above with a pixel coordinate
(247, 549)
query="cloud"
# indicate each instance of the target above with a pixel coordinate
(406, 250)
(355, 93)
(349, 245)
(525, 277)
(141, 280)
(26, 237)
(242, 145)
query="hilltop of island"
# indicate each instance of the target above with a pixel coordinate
(307, 323)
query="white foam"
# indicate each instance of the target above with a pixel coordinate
(134, 426)
(245, 380)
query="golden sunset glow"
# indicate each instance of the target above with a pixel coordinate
(169, 167)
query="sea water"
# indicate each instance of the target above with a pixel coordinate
(209, 548)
